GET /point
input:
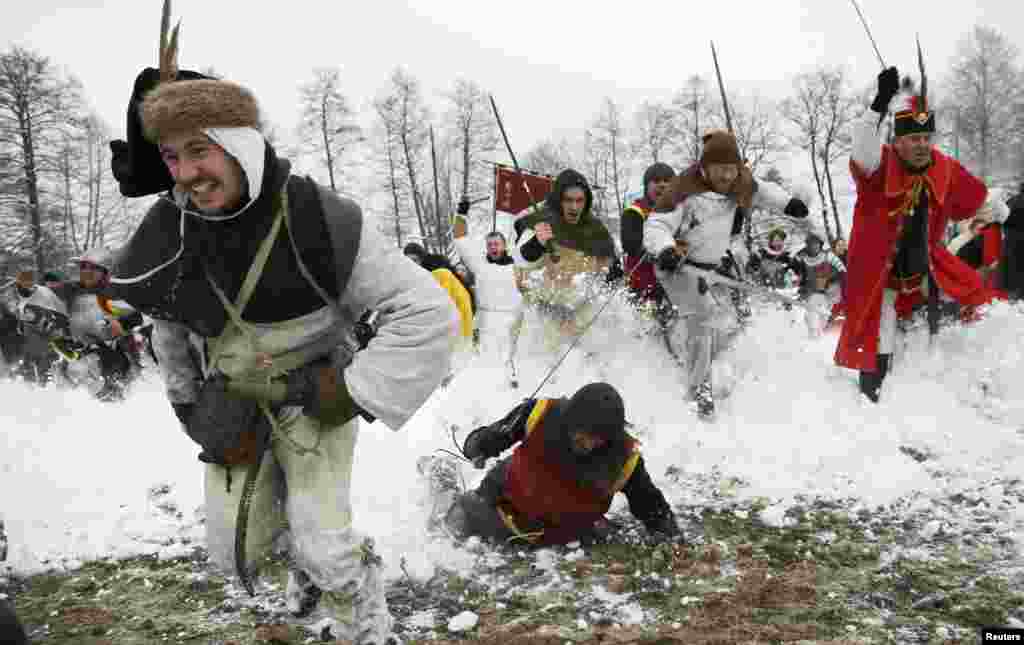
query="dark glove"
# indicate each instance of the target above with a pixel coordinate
(663, 527)
(183, 411)
(230, 429)
(615, 272)
(318, 387)
(463, 208)
(796, 208)
(477, 447)
(888, 86)
(668, 260)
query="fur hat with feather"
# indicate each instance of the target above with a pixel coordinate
(178, 106)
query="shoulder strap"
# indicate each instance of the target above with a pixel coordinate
(234, 310)
(344, 233)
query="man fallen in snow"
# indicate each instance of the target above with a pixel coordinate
(255, 279)
(573, 456)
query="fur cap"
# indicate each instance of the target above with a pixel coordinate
(720, 147)
(186, 106)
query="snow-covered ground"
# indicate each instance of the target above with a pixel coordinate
(81, 479)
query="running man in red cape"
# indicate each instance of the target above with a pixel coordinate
(906, 194)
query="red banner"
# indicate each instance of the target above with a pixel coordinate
(511, 196)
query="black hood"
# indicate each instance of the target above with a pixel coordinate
(596, 408)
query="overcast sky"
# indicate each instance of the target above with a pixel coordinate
(548, 63)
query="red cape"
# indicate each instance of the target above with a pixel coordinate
(884, 199)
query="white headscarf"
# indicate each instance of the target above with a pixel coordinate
(248, 147)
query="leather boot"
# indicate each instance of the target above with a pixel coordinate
(871, 382)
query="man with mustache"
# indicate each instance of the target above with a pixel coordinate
(565, 288)
(698, 220)
(907, 192)
(573, 456)
(255, 279)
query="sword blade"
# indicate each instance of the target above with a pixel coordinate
(868, 30)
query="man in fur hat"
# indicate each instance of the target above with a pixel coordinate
(907, 192)
(700, 218)
(255, 279)
(642, 281)
(565, 253)
(573, 457)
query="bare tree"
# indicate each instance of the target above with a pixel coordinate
(697, 113)
(823, 110)
(385, 110)
(655, 130)
(609, 132)
(473, 134)
(407, 117)
(549, 157)
(595, 162)
(36, 102)
(757, 131)
(326, 125)
(988, 87)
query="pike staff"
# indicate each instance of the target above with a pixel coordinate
(551, 247)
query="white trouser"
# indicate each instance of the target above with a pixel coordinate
(696, 318)
(499, 331)
(312, 492)
(887, 327)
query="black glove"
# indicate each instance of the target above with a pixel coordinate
(664, 527)
(796, 208)
(888, 86)
(668, 260)
(183, 411)
(463, 208)
(476, 447)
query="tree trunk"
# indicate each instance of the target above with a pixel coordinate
(394, 192)
(32, 189)
(442, 248)
(465, 160)
(411, 171)
(821, 191)
(327, 141)
(831, 190)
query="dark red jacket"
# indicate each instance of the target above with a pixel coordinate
(642, 279)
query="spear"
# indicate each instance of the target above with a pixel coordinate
(721, 89)
(551, 248)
